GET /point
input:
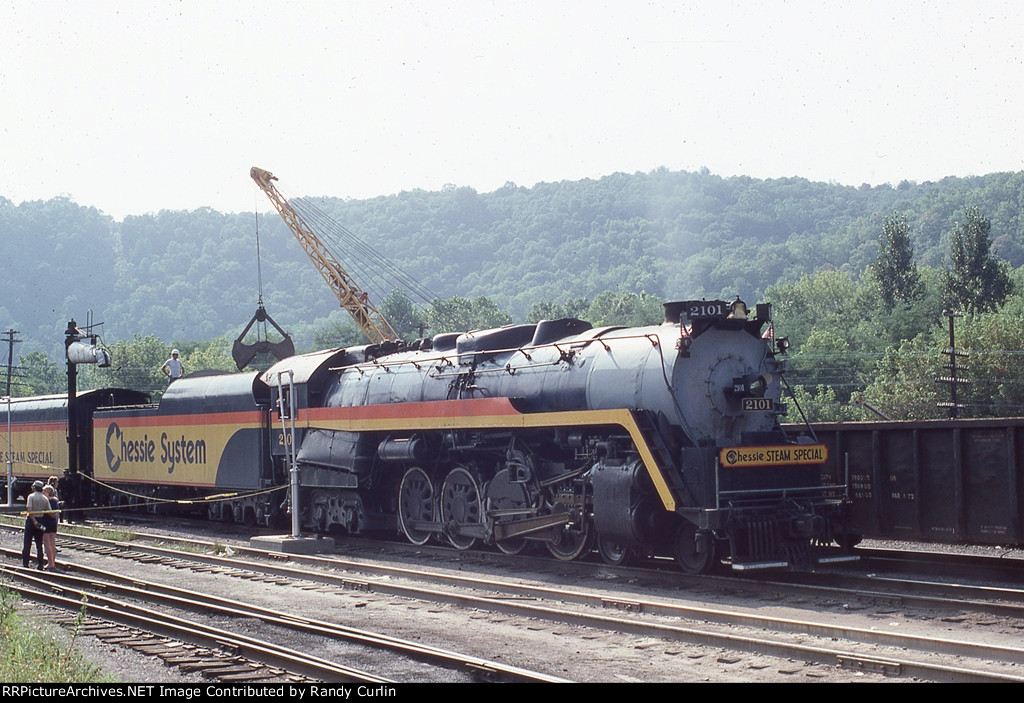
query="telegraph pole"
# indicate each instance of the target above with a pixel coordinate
(10, 356)
(952, 379)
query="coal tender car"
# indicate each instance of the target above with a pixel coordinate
(651, 440)
(204, 449)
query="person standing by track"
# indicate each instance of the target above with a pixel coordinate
(49, 522)
(35, 505)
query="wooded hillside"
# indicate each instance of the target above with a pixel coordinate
(189, 276)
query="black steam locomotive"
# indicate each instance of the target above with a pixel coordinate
(639, 441)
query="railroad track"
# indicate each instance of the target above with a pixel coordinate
(98, 584)
(949, 564)
(826, 640)
(192, 646)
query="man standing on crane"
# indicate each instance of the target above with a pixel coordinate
(173, 368)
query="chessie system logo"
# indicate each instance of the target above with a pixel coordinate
(165, 452)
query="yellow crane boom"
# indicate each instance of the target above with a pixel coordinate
(352, 297)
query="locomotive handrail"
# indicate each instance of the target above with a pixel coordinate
(782, 491)
(424, 361)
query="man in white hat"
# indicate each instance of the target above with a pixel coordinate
(173, 368)
(36, 504)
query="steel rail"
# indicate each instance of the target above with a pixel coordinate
(42, 589)
(187, 599)
(825, 655)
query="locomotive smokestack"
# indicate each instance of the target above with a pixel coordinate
(674, 311)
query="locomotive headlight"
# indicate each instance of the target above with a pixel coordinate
(749, 386)
(782, 343)
(759, 386)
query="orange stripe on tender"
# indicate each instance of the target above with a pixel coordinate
(58, 426)
(246, 417)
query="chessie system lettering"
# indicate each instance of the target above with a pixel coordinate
(167, 451)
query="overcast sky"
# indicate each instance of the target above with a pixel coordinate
(134, 107)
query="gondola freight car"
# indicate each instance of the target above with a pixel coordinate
(951, 481)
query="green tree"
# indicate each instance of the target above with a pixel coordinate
(974, 280)
(37, 375)
(458, 314)
(545, 310)
(625, 308)
(211, 355)
(904, 387)
(338, 333)
(550, 310)
(820, 404)
(135, 364)
(402, 315)
(898, 277)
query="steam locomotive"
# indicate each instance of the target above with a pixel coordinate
(660, 440)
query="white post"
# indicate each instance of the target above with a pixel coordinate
(289, 444)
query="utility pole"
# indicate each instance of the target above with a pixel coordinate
(10, 459)
(952, 379)
(10, 356)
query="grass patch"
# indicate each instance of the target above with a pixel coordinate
(39, 652)
(115, 534)
(111, 533)
(183, 546)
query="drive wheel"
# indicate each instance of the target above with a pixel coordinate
(687, 555)
(614, 553)
(571, 544)
(415, 504)
(460, 505)
(503, 494)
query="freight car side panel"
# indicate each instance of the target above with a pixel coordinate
(222, 450)
(988, 486)
(939, 480)
(898, 490)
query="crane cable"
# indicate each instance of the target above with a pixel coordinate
(370, 265)
(259, 259)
